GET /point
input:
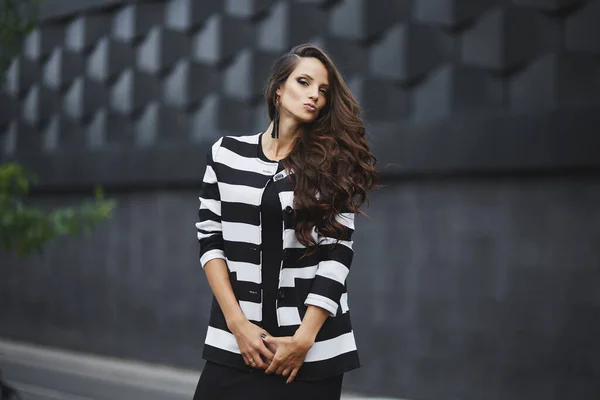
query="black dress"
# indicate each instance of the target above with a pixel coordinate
(220, 382)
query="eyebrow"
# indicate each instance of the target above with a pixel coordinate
(312, 79)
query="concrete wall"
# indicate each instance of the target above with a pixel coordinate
(460, 289)
(476, 276)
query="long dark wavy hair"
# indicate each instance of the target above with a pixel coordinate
(331, 161)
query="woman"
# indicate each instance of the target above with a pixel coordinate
(276, 221)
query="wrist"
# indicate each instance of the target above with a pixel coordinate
(304, 338)
(234, 324)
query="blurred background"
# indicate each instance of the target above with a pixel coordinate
(477, 270)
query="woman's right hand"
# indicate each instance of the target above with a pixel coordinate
(249, 340)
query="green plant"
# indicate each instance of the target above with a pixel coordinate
(25, 229)
(17, 19)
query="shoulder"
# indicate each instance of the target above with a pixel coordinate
(249, 139)
(244, 145)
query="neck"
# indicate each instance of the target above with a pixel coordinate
(279, 148)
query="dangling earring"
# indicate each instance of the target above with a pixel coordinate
(275, 132)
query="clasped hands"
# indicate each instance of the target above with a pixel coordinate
(281, 355)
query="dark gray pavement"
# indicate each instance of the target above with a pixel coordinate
(41, 373)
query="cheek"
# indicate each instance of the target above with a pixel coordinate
(293, 93)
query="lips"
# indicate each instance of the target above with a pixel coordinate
(310, 107)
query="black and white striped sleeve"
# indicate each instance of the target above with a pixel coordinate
(210, 234)
(334, 266)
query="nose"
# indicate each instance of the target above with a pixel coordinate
(314, 96)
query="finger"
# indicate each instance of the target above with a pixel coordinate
(266, 352)
(258, 363)
(286, 371)
(272, 367)
(249, 359)
(280, 369)
(265, 361)
(292, 376)
(271, 339)
(246, 361)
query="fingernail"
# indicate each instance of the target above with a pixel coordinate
(262, 335)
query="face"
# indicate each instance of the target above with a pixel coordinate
(304, 94)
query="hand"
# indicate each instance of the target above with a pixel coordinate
(271, 346)
(289, 356)
(249, 340)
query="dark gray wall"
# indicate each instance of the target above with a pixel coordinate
(459, 290)
(476, 276)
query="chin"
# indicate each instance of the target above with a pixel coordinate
(306, 118)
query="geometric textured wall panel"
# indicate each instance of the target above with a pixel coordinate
(247, 8)
(288, 24)
(221, 114)
(109, 130)
(9, 110)
(548, 4)
(61, 68)
(132, 91)
(350, 57)
(379, 99)
(220, 38)
(533, 88)
(449, 12)
(83, 98)
(21, 75)
(108, 59)
(504, 38)
(305, 22)
(157, 123)
(554, 82)
(40, 42)
(26, 138)
(459, 91)
(244, 116)
(190, 71)
(242, 78)
(8, 139)
(188, 82)
(204, 119)
(63, 134)
(39, 105)
(186, 15)
(407, 51)
(583, 29)
(160, 50)
(85, 30)
(272, 31)
(360, 20)
(136, 20)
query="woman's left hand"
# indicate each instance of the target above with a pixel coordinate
(290, 355)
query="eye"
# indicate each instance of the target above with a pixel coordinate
(302, 81)
(325, 92)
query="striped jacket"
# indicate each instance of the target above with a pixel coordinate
(229, 227)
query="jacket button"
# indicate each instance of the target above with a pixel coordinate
(280, 294)
(289, 209)
(278, 177)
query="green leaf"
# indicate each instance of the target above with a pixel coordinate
(25, 229)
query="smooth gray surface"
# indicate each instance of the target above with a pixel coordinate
(39, 372)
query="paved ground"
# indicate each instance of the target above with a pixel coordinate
(49, 374)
